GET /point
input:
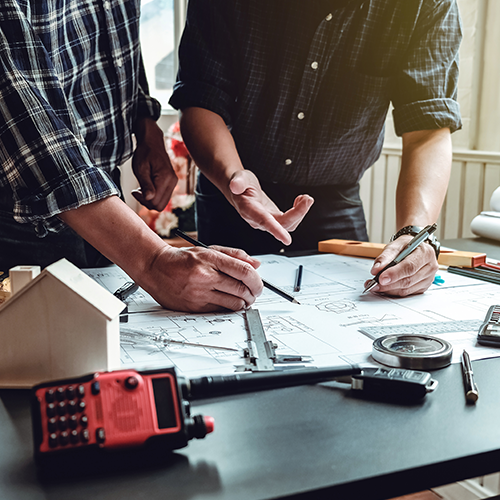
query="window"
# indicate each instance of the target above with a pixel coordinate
(161, 25)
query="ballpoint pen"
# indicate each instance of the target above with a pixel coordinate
(268, 285)
(471, 391)
(412, 245)
(298, 279)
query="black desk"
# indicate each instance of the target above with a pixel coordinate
(290, 441)
(304, 442)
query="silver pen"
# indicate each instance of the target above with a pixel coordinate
(412, 245)
(471, 391)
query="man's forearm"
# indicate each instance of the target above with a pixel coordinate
(195, 280)
(211, 145)
(118, 233)
(424, 177)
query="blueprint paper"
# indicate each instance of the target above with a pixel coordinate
(335, 323)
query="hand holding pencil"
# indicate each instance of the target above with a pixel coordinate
(268, 285)
(405, 267)
(204, 279)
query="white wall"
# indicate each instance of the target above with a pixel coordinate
(476, 147)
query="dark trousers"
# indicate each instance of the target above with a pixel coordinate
(337, 212)
(20, 246)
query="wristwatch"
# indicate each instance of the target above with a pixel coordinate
(414, 230)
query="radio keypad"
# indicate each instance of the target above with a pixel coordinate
(64, 438)
(70, 392)
(52, 424)
(50, 395)
(74, 437)
(71, 406)
(60, 395)
(63, 423)
(61, 408)
(51, 410)
(85, 435)
(66, 419)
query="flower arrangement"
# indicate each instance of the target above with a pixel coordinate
(179, 211)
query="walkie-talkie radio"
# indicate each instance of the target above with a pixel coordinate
(128, 408)
(113, 410)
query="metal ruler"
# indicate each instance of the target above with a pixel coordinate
(437, 328)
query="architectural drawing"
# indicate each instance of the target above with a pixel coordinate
(330, 324)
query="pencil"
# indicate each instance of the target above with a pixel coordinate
(268, 285)
(298, 279)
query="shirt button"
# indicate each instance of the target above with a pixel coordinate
(301, 116)
(328, 17)
(288, 161)
(314, 65)
(119, 62)
(107, 5)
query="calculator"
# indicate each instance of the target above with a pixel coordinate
(489, 331)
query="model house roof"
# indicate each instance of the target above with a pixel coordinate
(77, 283)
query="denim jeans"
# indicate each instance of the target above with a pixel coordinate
(337, 212)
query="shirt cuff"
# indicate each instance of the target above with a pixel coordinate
(427, 115)
(85, 187)
(197, 94)
(148, 107)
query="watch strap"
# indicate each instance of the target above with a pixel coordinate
(413, 231)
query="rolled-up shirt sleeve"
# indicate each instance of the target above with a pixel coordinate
(44, 161)
(424, 93)
(207, 65)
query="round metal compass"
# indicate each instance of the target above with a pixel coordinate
(415, 352)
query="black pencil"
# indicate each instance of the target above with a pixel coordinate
(268, 285)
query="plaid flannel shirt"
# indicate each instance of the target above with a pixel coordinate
(69, 96)
(305, 86)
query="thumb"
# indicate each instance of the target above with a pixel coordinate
(147, 187)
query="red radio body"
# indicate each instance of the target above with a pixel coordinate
(113, 410)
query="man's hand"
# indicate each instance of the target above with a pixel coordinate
(193, 280)
(213, 149)
(202, 280)
(260, 212)
(412, 275)
(151, 165)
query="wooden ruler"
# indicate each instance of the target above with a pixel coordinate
(365, 249)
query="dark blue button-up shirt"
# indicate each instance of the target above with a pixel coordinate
(305, 86)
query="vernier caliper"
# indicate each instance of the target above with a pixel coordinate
(260, 353)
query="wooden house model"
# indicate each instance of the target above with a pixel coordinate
(60, 324)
